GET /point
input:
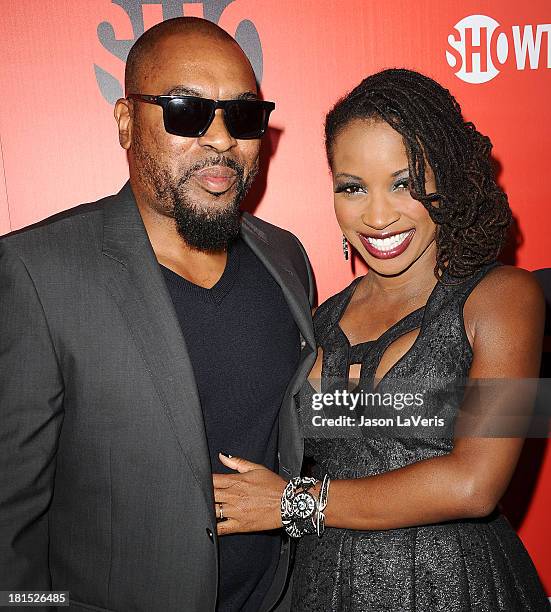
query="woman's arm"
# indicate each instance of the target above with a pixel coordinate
(504, 319)
(504, 316)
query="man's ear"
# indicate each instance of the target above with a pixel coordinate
(123, 117)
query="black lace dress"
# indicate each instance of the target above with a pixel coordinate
(468, 565)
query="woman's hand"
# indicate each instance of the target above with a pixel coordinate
(249, 500)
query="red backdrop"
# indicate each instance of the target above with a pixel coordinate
(58, 139)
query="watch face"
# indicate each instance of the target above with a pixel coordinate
(304, 505)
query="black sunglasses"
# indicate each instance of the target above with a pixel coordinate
(191, 116)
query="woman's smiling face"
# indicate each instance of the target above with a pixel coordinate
(378, 216)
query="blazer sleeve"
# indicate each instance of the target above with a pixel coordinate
(31, 408)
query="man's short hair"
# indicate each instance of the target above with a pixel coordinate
(140, 50)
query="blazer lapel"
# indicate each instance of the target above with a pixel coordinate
(273, 257)
(136, 283)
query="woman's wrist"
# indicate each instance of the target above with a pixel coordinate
(303, 503)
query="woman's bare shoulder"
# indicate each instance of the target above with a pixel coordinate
(505, 290)
(504, 319)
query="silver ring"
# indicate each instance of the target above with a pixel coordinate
(221, 517)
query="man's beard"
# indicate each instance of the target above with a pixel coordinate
(206, 229)
(210, 229)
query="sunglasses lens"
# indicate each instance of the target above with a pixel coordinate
(187, 116)
(246, 119)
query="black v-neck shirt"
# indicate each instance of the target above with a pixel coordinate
(244, 347)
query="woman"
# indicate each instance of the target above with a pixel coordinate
(410, 518)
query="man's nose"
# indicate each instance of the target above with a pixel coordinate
(217, 136)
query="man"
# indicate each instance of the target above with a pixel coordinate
(140, 336)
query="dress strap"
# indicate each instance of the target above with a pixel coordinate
(455, 291)
(372, 357)
(328, 315)
(334, 345)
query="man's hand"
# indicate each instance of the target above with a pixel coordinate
(249, 500)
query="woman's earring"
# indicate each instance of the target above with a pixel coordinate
(345, 247)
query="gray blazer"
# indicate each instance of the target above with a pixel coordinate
(105, 480)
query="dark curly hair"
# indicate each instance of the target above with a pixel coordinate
(470, 210)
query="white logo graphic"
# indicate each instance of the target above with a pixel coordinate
(479, 47)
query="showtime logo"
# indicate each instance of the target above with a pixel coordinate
(479, 47)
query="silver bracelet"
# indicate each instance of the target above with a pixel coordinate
(299, 507)
(322, 504)
(301, 512)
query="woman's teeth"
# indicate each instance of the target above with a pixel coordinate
(388, 244)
